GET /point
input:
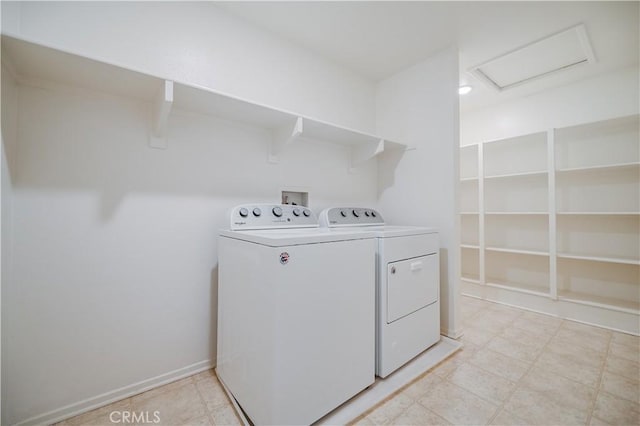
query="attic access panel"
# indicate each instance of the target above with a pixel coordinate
(557, 52)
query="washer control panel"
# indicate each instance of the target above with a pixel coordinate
(271, 216)
(350, 216)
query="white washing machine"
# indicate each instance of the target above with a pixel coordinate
(407, 282)
(296, 334)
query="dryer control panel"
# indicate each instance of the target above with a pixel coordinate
(271, 216)
(350, 216)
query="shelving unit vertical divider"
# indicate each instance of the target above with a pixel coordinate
(553, 260)
(481, 221)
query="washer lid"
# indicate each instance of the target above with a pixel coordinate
(296, 236)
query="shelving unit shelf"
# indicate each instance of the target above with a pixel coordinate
(557, 227)
(517, 251)
(36, 64)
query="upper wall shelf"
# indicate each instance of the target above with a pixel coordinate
(32, 62)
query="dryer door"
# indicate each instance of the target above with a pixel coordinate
(411, 285)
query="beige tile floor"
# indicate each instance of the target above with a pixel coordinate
(517, 368)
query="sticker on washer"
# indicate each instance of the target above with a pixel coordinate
(284, 257)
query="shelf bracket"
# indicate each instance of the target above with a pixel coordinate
(362, 153)
(161, 111)
(282, 137)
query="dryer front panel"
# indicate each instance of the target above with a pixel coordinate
(411, 285)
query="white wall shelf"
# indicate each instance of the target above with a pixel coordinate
(517, 175)
(558, 222)
(520, 288)
(599, 213)
(516, 251)
(516, 213)
(35, 64)
(621, 260)
(632, 166)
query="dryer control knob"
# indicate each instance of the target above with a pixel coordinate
(277, 211)
(244, 212)
(257, 212)
(306, 213)
(343, 213)
(355, 213)
(366, 213)
(296, 212)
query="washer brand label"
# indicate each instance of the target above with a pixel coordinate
(239, 223)
(284, 257)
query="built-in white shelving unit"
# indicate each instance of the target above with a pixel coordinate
(34, 64)
(556, 227)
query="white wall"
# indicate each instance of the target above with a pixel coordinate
(197, 42)
(9, 114)
(599, 98)
(419, 187)
(114, 258)
(114, 279)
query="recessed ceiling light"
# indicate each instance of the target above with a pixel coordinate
(463, 90)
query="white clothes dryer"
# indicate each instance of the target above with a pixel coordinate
(407, 283)
(296, 312)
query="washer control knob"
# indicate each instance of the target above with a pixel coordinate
(393, 269)
(244, 212)
(373, 214)
(306, 213)
(277, 211)
(343, 213)
(355, 213)
(366, 213)
(296, 212)
(257, 212)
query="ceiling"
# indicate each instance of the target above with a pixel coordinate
(376, 39)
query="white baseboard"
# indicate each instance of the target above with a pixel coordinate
(107, 398)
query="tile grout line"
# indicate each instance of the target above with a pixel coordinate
(499, 405)
(603, 366)
(202, 401)
(430, 371)
(519, 383)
